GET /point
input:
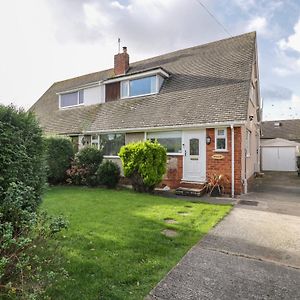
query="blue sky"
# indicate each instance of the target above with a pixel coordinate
(43, 41)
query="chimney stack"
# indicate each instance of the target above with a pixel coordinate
(121, 62)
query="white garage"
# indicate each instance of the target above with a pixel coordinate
(279, 155)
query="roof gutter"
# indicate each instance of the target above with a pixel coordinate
(173, 127)
(156, 71)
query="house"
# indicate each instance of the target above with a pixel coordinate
(280, 144)
(201, 103)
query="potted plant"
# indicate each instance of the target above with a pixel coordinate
(215, 184)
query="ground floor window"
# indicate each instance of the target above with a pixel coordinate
(220, 139)
(170, 139)
(95, 141)
(111, 143)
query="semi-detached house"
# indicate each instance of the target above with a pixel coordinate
(201, 103)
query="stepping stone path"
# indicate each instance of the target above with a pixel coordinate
(170, 221)
(169, 232)
(183, 213)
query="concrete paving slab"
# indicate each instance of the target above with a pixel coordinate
(206, 274)
(264, 235)
(254, 253)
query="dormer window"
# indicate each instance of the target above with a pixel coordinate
(71, 99)
(142, 83)
(139, 87)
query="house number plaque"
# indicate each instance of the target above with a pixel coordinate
(217, 156)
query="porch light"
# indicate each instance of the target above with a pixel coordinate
(208, 140)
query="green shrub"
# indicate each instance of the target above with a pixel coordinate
(89, 157)
(84, 167)
(21, 153)
(108, 174)
(144, 163)
(60, 152)
(23, 230)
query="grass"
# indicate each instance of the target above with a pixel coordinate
(114, 248)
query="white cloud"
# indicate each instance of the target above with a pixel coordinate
(289, 63)
(259, 24)
(293, 41)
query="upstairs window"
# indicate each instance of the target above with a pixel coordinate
(139, 87)
(71, 99)
(220, 139)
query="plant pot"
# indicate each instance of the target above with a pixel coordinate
(215, 192)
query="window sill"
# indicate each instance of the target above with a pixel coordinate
(71, 106)
(142, 95)
(111, 156)
(221, 150)
(174, 154)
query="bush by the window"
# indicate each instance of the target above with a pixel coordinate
(23, 229)
(108, 174)
(89, 157)
(144, 163)
(84, 167)
(60, 152)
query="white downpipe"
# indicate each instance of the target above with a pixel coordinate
(232, 161)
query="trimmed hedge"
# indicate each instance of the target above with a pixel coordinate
(21, 154)
(60, 153)
(24, 230)
(144, 163)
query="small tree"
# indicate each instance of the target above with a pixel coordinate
(60, 153)
(144, 163)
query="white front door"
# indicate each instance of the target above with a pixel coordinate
(194, 155)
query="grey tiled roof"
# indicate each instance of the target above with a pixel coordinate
(288, 129)
(208, 83)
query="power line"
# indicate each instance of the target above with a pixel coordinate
(215, 18)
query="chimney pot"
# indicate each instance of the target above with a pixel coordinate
(124, 49)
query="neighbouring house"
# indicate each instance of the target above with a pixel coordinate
(280, 145)
(201, 103)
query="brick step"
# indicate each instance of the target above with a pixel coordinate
(192, 184)
(195, 192)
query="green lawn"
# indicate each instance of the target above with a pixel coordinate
(114, 248)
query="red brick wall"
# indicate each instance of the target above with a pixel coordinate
(223, 166)
(174, 173)
(121, 63)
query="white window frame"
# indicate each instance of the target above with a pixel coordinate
(72, 92)
(141, 95)
(165, 134)
(220, 136)
(96, 140)
(248, 143)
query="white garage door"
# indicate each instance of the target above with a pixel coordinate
(278, 159)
